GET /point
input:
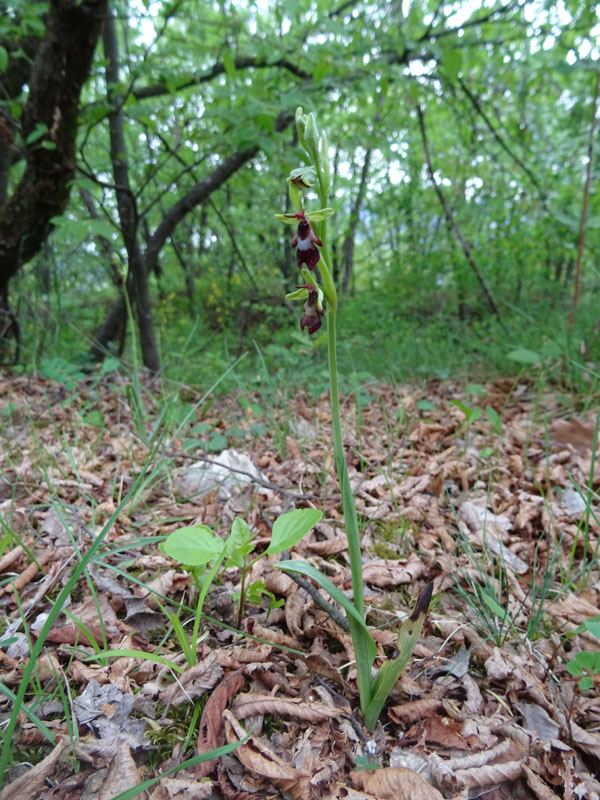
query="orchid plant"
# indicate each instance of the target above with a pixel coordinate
(313, 256)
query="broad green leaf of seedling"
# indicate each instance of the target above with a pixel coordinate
(239, 544)
(524, 356)
(584, 664)
(476, 389)
(494, 419)
(289, 528)
(591, 625)
(471, 414)
(194, 546)
(258, 590)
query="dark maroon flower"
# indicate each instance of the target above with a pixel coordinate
(313, 312)
(305, 241)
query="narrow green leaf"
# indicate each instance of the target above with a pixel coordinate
(129, 653)
(291, 527)
(3, 58)
(181, 638)
(24, 708)
(389, 673)
(352, 534)
(302, 568)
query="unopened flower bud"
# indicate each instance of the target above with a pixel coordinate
(311, 136)
(300, 126)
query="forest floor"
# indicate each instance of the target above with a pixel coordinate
(498, 507)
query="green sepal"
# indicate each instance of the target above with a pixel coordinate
(320, 214)
(307, 175)
(289, 219)
(306, 274)
(295, 195)
(299, 294)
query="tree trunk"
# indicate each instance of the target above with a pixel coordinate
(584, 207)
(451, 222)
(348, 246)
(126, 204)
(113, 328)
(62, 64)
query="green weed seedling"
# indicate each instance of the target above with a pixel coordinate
(203, 553)
(586, 664)
(321, 300)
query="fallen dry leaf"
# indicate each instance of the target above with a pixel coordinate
(210, 734)
(248, 705)
(182, 789)
(194, 681)
(122, 773)
(259, 758)
(33, 781)
(395, 783)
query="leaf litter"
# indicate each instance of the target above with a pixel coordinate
(502, 514)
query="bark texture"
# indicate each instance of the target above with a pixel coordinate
(61, 66)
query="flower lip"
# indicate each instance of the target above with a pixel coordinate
(311, 319)
(305, 242)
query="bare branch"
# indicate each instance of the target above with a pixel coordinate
(242, 62)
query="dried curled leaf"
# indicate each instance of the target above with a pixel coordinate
(395, 783)
(194, 681)
(248, 705)
(211, 722)
(259, 758)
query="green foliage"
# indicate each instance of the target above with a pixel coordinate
(586, 664)
(197, 546)
(510, 164)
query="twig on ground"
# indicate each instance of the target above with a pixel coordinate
(323, 604)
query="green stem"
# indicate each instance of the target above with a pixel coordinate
(348, 505)
(349, 508)
(200, 605)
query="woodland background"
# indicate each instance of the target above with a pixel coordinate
(151, 152)
(145, 337)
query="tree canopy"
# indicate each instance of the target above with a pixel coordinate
(146, 144)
